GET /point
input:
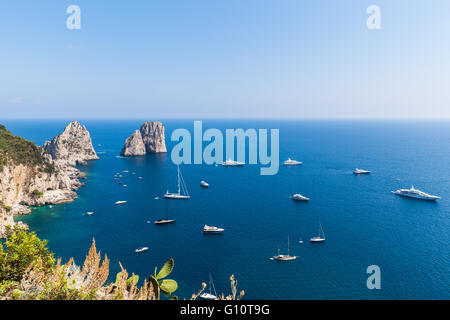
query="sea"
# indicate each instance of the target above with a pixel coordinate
(363, 222)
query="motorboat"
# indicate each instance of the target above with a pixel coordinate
(299, 197)
(232, 163)
(120, 202)
(290, 162)
(142, 249)
(361, 171)
(417, 194)
(204, 184)
(211, 229)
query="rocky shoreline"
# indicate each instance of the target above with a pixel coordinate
(23, 186)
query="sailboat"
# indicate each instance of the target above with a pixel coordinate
(320, 237)
(210, 296)
(285, 257)
(166, 220)
(182, 189)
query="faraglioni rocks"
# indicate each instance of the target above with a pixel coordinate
(32, 176)
(148, 139)
(73, 146)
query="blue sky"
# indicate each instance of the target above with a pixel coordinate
(225, 59)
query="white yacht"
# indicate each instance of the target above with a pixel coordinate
(211, 229)
(361, 171)
(290, 162)
(414, 193)
(299, 197)
(204, 184)
(120, 202)
(182, 189)
(166, 220)
(138, 250)
(320, 237)
(231, 163)
(284, 257)
(210, 296)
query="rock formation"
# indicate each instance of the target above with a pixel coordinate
(73, 146)
(148, 139)
(31, 177)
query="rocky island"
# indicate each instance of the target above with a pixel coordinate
(148, 139)
(35, 176)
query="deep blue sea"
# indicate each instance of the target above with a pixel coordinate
(363, 222)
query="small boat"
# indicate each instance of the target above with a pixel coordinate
(124, 185)
(182, 189)
(140, 178)
(125, 171)
(299, 197)
(138, 250)
(204, 184)
(120, 182)
(284, 257)
(148, 222)
(300, 241)
(120, 202)
(133, 173)
(361, 171)
(290, 162)
(232, 163)
(89, 213)
(50, 206)
(210, 296)
(320, 237)
(211, 229)
(416, 194)
(166, 220)
(156, 198)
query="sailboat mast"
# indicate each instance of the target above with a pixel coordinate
(288, 248)
(178, 170)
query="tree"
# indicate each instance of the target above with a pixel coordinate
(21, 250)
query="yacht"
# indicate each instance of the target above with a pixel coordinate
(210, 296)
(204, 184)
(320, 237)
(361, 171)
(182, 189)
(120, 202)
(211, 229)
(138, 250)
(166, 220)
(417, 194)
(231, 163)
(299, 197)
(284, 257)
(290, 162)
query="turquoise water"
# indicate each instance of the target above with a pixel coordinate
(364, 223)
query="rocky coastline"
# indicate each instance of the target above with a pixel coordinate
(54, 179)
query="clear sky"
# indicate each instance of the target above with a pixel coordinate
(225, 58)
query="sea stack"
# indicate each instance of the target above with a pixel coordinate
(148, 139)
(73, 146)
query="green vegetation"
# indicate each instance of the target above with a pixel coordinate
(36, 194)
(20, 151)
(3, 206)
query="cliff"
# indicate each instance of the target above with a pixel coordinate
(31, 177)
(148, 139)
(73, 146)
